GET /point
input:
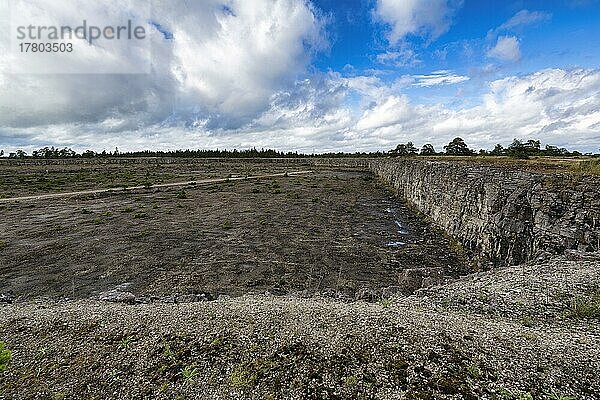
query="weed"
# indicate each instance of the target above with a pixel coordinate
(164, 387)
(189, 373)
(350, 381)
(5, 356)
(227, 225)
(555, 396)
(526, 396)
(473, 371)
(181, 194)
(127, 210)
(386, 303)
(527, 321)
(126, 342)
(140, 214)
(585, 307)
(588, 167)
(2, 245)
(240, 378)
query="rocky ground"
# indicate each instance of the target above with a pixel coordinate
(525, 332)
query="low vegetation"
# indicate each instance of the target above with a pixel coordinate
(5, 356)
(585, 307)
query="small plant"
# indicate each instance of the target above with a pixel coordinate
(527, 321)
(5, 356)
(126, 342)
(473, 371)
(140, 214)
(526, 396)
(585, 307)
(555, 396)
(2, 245)
(386, 303)
(240, 378)
(350, 381)
(189, 373)
(181, 194)
(227, 225)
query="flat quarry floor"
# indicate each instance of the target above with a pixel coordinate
(332, 231)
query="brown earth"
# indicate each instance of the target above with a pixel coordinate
(332, 231)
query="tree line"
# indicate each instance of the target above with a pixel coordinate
(457, 147)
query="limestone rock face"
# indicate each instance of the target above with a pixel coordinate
(500, 214)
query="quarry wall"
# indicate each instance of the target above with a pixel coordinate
(501, 216)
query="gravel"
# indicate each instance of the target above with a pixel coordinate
(501, 334)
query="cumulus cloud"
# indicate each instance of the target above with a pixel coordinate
(557, 106)
(239, 76)
(428, 18)
(507, 48)
(221, 69)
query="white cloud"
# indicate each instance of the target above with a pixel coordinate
(402, 57)
(223, 67)
(439, 78)
(506, 49)
(524, 17)
(428, 18)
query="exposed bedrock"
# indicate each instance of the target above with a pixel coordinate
(500, 215)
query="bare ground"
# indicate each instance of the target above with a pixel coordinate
(267, 347)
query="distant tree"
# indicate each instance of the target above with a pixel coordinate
(403, 150)
(498, 150)
(428, 150)
(412, 150)
(1, 153)
(458, 147)
(20, 154)
(555, 151)
(517, 150)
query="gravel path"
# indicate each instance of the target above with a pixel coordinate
(155, 186)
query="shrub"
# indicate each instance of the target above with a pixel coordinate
(5, 356)
(181, 194)
(586, 307)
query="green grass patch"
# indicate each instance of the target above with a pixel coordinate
(587, 167)
(5, 356)
(585, 307)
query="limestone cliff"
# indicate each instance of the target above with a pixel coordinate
(501, 215)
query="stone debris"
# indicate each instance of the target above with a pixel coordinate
(508, 334)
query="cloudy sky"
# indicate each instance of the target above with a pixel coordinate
(311, 76)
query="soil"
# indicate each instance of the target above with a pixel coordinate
(333, 231)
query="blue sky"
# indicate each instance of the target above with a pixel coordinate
(320, 75)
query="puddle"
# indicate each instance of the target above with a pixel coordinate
(395, 244)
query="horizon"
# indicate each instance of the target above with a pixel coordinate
(309, 76)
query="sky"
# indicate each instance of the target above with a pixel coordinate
(307, 76)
